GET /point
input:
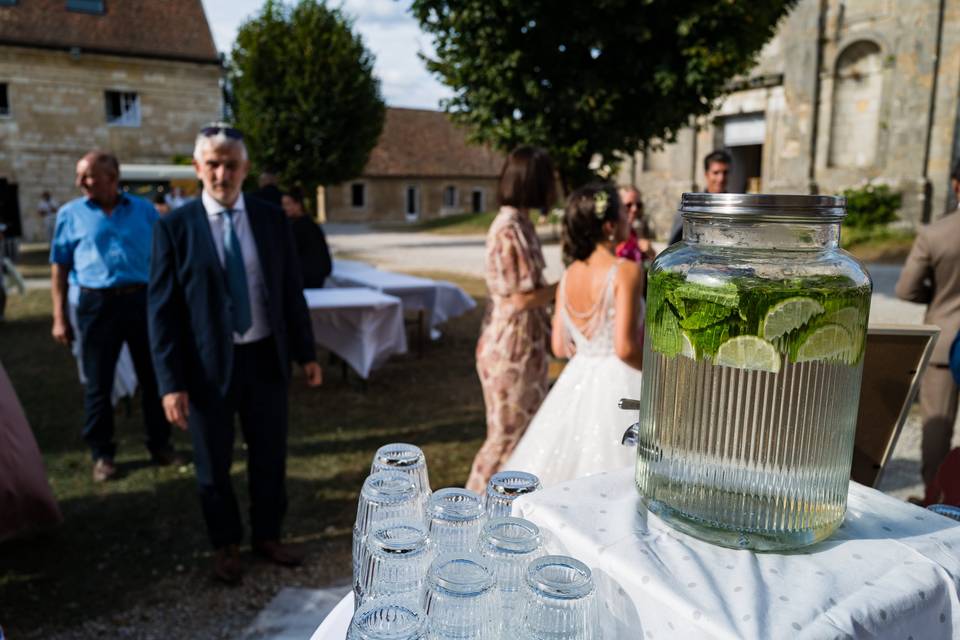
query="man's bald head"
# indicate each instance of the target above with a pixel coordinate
(98, 177)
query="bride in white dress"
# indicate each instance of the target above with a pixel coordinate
(598, 324)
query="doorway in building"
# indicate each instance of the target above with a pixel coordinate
(476, 201)
(412, 208)
(743, 137)
(746, 170)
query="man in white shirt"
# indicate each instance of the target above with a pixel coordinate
(47, 210)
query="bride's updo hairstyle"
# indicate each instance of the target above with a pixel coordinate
(587, 209)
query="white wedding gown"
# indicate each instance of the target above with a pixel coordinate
(578, 428)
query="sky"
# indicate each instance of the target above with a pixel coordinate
(387, 29)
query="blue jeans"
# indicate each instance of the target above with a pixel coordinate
(106, 320)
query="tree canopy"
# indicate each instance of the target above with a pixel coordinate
(304, 93)
(589, 78)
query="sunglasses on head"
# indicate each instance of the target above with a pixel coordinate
(216, 129)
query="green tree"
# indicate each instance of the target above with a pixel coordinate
(304, 94)
(589, 78)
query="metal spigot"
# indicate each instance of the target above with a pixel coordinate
(631, 435)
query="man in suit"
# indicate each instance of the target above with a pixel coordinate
(227, 316)
(931, 276)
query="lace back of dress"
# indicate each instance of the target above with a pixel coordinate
(591, 330)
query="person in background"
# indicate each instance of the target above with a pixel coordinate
(47, 211)
(512, 349)
(598, 325)
(175, 198)
(225, 324)
(160, 204)
(931, 276)
(104, 237)
(268, 190)
(637, 247)
(716, 172)
(311, 243)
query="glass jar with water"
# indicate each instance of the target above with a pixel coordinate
(755, 334)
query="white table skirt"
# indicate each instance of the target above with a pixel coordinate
(124, 376)
(438, 300)
(891, 571)
(362, 326)
(337, 622)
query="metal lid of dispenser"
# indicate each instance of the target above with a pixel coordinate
(763, 207)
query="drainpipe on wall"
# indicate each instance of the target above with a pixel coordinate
(693, 157)
(927, 185)
(812, 185)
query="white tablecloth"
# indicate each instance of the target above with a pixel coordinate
(362, 326)
(439, 300)
(891, 571)
(337, 622)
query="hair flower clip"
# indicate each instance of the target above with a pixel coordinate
(600, 202)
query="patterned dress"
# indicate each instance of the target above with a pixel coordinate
(512, 350)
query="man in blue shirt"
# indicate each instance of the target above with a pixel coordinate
(105, 239)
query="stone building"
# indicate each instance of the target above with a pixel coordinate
(421, 168)
(847, 91)
(138, 77)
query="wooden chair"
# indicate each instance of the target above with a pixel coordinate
(895, 360)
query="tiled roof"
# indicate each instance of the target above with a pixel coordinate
(166, 29)
(418, 142)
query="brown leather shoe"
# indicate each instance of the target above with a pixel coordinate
(226, 564)
(103, 470)
(167, 458)
(278, 553)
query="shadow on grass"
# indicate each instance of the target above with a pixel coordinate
(141, 540)
(128, 542)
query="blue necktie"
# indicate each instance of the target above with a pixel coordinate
(236, 275)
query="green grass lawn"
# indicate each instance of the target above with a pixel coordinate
(463, 223)
(119, 540)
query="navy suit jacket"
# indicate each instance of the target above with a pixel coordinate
(191, 334)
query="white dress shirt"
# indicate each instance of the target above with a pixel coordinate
(251, 261)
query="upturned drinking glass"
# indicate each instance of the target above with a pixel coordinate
(405, 458)
(398, 556)
(505, 487)
(454, 519)
(461, 599)
(386, 495)
(560, 602)
(508, 546)
(388, 620)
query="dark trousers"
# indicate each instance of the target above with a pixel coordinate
(106, 320)
(258, 395)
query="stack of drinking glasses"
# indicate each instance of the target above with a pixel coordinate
(452, 564)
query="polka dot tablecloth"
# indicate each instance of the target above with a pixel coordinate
(891, 571)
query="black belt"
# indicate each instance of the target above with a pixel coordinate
(116, 291)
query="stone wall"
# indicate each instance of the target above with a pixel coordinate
(57, 113)
(883, 106)
(386, 198)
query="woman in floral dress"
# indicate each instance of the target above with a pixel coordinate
(512, 350)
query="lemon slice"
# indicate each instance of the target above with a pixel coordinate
(748, 352)
(829, 342)
(848, 318)
(686, 348)
(789, 314)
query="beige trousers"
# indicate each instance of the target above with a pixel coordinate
(938, 403)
